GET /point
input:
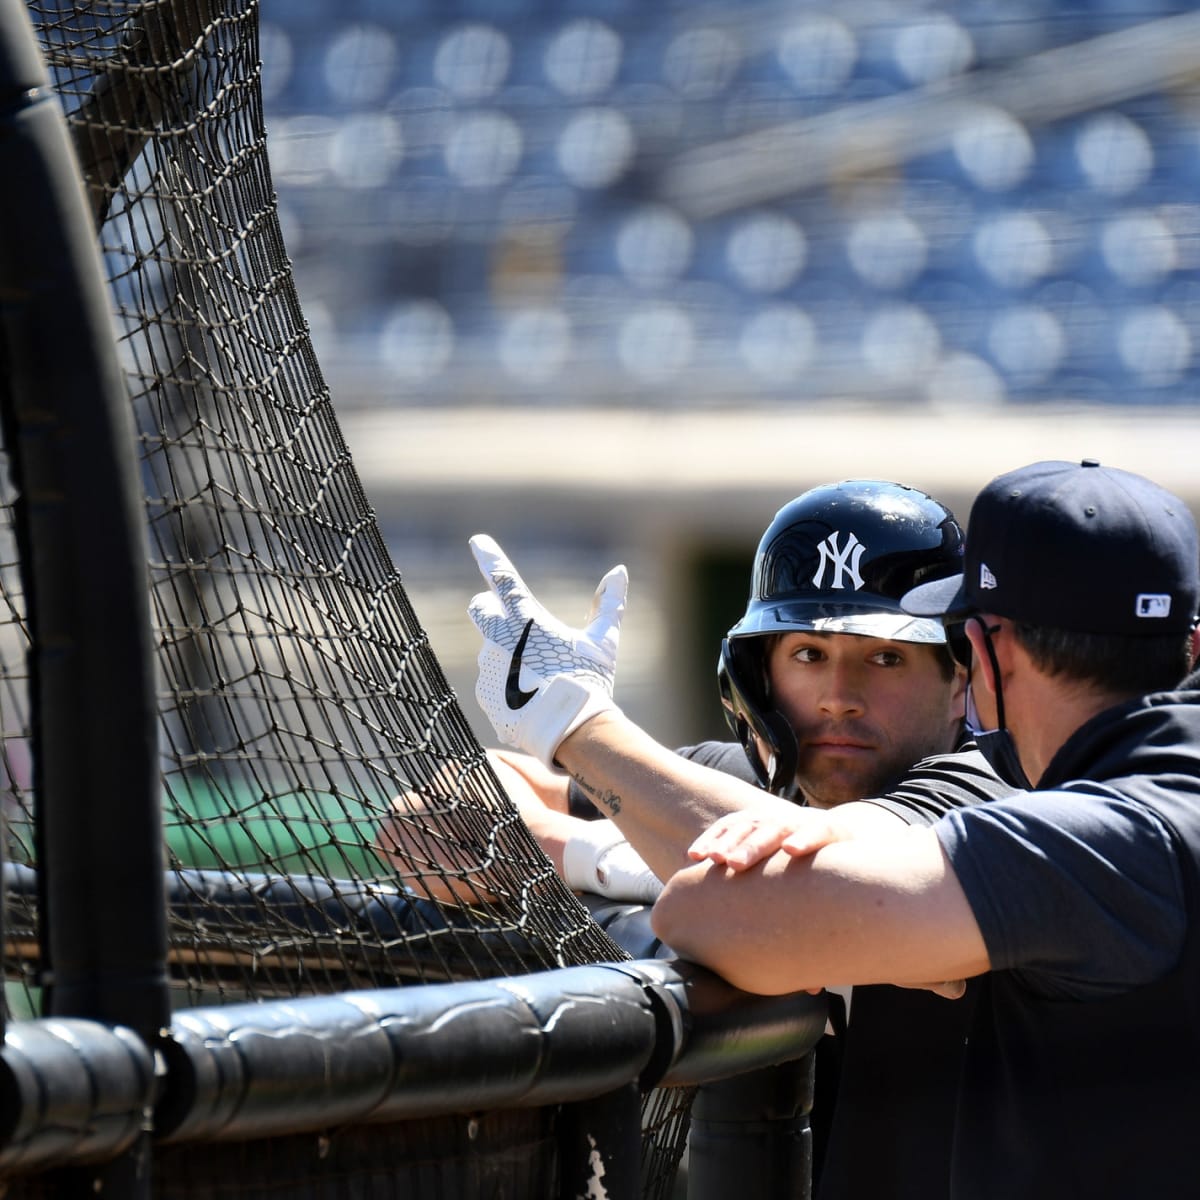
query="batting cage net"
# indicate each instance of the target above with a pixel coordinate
(937, 207)
(330, 821)
(309, 740)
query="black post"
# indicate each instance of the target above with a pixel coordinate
(750, 1135)
(599, 1146)
(69, 435)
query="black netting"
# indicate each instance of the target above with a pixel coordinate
(330, 819)
(306, 725)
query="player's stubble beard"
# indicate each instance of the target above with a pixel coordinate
(833, 786)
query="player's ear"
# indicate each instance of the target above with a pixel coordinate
(958, 693)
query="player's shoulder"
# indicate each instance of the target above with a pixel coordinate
(941, 783)
(966, 765)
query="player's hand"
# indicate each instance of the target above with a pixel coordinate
(739, 840)
(540, 679)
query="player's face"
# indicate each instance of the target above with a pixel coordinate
(864, 710)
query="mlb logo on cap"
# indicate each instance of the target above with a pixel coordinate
(1153, 605)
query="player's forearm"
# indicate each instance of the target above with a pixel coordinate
(660, 801)
(526, 779)
(871, 910)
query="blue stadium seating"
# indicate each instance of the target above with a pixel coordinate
(476, 195)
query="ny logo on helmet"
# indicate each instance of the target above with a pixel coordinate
(842, 564)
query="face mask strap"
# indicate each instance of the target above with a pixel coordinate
(996, 745)
(987, 631)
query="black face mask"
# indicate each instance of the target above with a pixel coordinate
(996, 745)
(1000, 751)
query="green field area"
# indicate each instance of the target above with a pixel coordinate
(232, 826)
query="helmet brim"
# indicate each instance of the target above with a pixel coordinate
(824, 618)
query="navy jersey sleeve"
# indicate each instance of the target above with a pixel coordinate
(938, 785)
(728, 757)
(1078, 889)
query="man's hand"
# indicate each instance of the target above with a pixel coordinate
(742, 839)
(540, 679)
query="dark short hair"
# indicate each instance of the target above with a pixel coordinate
(1126, 663)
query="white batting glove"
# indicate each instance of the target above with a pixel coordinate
(540, 679)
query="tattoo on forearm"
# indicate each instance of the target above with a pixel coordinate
(600, 796)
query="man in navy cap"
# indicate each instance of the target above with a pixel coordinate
(1079, 900)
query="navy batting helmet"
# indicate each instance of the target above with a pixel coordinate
(837, 559)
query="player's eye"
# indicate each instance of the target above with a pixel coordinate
(887, 658)
(807, 654)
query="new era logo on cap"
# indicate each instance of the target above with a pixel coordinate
(986, 578)
(1153, 605)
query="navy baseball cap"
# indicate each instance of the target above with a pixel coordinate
(1074, 546)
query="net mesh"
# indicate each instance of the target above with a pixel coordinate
(330, 819)
(307, 730)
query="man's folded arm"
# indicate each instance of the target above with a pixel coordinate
(875, 909)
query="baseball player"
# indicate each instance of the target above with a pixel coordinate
(834, 694)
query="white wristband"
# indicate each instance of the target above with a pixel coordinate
(562, 705)
(600, 860)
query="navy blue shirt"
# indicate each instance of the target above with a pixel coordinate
(1078, 888)
(1080, 1074)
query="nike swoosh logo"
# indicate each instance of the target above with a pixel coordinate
(514, 695)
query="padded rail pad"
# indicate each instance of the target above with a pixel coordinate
(255, 1070)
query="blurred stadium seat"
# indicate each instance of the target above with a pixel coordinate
(490, 200)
